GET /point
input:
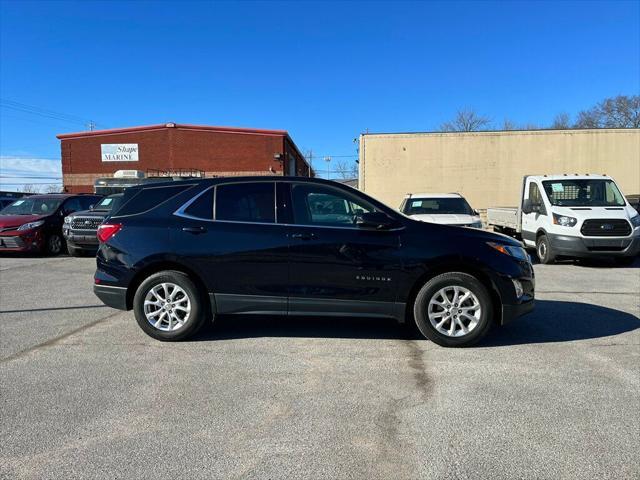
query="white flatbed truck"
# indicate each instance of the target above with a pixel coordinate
(571, 216)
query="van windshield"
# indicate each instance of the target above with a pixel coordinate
(583, 193)
(32, 206)
(437, 206)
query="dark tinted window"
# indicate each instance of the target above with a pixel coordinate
(148, 198)
(320, 205)
(246, 202)
(73, 205)
(202, 207)
(86, 202)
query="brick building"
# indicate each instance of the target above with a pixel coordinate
(174, 148)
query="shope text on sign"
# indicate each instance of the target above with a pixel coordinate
(119, 152)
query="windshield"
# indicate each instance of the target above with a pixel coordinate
(437, 206)
(583, 193)
(32, 206)
(108, 203)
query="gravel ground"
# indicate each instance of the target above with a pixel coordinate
(85, 394)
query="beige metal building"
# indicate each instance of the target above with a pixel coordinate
(487, 167)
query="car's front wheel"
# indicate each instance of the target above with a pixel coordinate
(168, 306)
(453, 310)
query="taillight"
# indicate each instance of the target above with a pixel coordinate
(108, 230)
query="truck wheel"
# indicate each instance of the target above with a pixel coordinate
(544, 251)
(453, 310)
(624, 261)
(168, 306)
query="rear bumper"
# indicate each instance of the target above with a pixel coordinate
(114, 297)
(570, 246)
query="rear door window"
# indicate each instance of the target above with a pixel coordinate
(246, 202)
(202, 206)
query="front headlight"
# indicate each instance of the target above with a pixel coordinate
(564, 220)
(635, 221)
(67, 219)
(511, 250)
(31, 225)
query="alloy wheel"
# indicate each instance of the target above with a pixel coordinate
(167, 307)
(454, 311)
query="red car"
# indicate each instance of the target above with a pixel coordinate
(34, 223)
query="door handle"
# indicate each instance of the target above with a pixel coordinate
(303, 236)
(194, 230)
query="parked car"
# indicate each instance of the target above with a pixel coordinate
(34, 223)
(80, 227)
(179, 253)
(443, 208)
(572, 216)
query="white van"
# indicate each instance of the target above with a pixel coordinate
(572, 216)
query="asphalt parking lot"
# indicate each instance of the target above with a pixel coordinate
(86, 394)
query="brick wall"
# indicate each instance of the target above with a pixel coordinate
(218, 153)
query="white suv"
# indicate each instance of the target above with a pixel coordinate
(443, 208)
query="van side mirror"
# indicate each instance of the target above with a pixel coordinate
(476, 213)
(374, 220)
(526, 206)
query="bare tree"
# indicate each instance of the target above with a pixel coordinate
(347, 170)
(466, 121)
(53, 188)
(562, 121)
(509, 125)
(29, 188)
(622, 111)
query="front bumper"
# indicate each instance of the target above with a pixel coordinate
(29, 241)
(81, 239)
(571, 246)
(114, 297)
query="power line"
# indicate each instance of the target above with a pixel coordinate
(46, 113)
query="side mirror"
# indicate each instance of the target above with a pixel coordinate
(476, 213)
(375, 220)
(526, 206)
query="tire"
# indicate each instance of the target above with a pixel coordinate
(186, 289)
(425, 306)
(54, 244)
(544, 251)
(624, 261)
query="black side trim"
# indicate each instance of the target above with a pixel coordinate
(253, 304)
(528, 236)
(347, 308)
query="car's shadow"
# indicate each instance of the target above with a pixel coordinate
(551, 321)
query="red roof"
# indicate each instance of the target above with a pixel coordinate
(245, 131)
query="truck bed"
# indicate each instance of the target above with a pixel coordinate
(504, 217)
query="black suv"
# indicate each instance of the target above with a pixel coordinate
(181, 253)
(80, 228)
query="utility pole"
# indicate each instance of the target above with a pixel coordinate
(328, 160)
(91, 125)
(310, 160)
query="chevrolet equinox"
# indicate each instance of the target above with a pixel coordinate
(180, 253)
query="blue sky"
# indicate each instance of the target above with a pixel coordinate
(323, 71)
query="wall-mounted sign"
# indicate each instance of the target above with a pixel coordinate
(119, 152)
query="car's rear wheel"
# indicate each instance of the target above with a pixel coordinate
(54, 244)
(168, 306)
(544, 251)
(453, 310)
